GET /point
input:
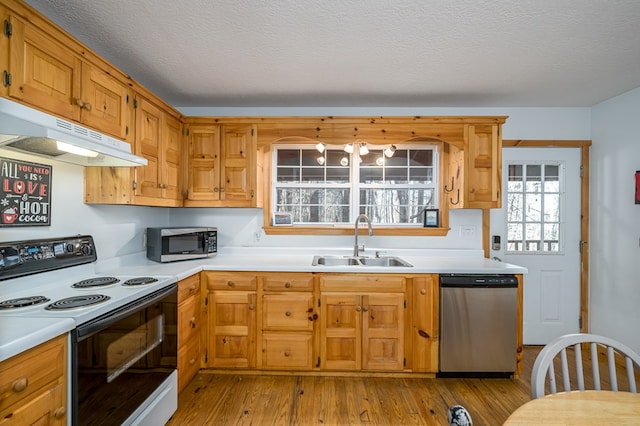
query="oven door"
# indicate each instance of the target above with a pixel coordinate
(121, 358)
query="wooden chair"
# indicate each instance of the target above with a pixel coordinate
(544, 363)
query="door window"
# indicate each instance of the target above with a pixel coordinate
(534, 207)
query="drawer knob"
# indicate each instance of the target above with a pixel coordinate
(287, 353)
(59, 413)
(287, 285)
(192, 321)
(20, 384)
(288, 313)
(423, 291)
(230, 283)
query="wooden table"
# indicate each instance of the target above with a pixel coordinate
(580, 408)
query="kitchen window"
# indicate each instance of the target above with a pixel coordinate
(391, 184)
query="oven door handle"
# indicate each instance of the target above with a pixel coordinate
(87, 329)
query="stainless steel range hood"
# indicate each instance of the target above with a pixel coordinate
(28, 130)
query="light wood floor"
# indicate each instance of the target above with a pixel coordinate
(234, 399)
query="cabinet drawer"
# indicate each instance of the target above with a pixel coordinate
(188, 287)
(287, 351)
(188, 320)
(188, 362)
(48, 407)
(289, 282)
(358, 282)
(26, 373)
(290, 312)
(225, 281)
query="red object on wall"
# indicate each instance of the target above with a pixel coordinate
(637, 186)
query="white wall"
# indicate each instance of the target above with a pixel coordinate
(615, 219)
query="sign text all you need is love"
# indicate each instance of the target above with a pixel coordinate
(25, 193)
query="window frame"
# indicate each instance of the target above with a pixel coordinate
(440, 163)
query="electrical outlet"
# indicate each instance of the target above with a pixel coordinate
(467, 231)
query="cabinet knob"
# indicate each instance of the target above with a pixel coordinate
(251, 306)
(192, 361)
(192, 321)
(222, 189)
(87, 106)
(215, 189)
(20, 384)
(472, 190)
(287, 285)
(288, 313)
(230, 283)
(59, 413)
(365, 308)
(358, 308)
(287, 353)
(423, 291)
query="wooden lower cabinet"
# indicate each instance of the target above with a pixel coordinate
(189, 329)
(288, 321)
(231, 308)
(302, 321)
(33, 385)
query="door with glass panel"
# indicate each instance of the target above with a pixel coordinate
(539, 228)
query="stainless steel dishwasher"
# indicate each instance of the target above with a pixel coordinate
(478, 325)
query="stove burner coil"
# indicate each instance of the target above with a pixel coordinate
(95, 282)
(77, 302)
(140, 281)
(23, 302)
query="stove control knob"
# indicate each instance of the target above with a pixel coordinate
(86, 250)
(69, 248)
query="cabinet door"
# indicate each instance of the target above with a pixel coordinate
(340, 331)
(46, 408)
(232, 329)
(171, 167)
(147, 145)
(238, 163)
(425, 320)
(4, 53)
(483, 174)
(204, 163)
(383, 331)
(105, 103)
(188, 320)
(45, 73)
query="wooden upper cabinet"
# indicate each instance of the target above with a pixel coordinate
(203, 164)
(474, 173)
(49, 76)
(222, 166)
(4, 53)
(238, 167)
(159, 140)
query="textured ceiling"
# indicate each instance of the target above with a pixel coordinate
(365, 53)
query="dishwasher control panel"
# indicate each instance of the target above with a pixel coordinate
(463, 280)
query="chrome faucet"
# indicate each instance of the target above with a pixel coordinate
(356, 249)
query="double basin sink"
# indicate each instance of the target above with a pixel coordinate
(381, 261)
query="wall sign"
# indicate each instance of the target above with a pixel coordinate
(25, 193)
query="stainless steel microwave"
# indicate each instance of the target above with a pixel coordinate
(173, 244)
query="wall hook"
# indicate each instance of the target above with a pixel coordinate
(447, 189)
(457, 201)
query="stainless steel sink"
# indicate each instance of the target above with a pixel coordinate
(383, 261)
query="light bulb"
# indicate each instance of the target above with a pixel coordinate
(348, 148)
(363, 149)
(390, 151)
(320, 147)
(380, 161)
(62, 146)
(320, 160)
(344, 161)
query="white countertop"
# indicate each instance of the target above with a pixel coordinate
(19, 334)
(282, 259)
